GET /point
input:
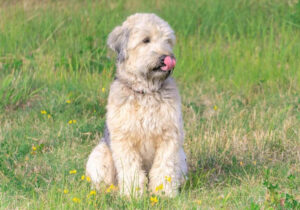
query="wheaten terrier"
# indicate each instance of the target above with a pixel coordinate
(143, 139)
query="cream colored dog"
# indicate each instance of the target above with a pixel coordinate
(143, 139)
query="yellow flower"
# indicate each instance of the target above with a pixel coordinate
(93, 192)
(215, 107)
(43, 112)
(49, 116)
(153, 200)
(82, 177)
(66, 191)
(103, 90)
(88, 179)
(68, 101)
(34, 148)
(254, 163)
(76, 200)
(241, 163)
(198, 202)
(73, 172)
(74, 121)
(168, 179)
(70, 121)
(110, 188)
(159, 187)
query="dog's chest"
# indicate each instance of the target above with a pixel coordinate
(151, 116)
(143, 122)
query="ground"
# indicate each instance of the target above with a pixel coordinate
(238, 71)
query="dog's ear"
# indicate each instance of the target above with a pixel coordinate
(117, 41)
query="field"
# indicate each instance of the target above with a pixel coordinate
(238, 71)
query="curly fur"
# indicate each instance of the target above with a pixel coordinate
(143, 142)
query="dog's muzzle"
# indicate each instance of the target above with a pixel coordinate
(166, 63)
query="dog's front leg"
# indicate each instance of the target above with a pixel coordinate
(128, 163)
(168, 169)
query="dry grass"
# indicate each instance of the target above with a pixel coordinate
(238, 73)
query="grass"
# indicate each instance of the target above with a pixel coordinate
(239, 78)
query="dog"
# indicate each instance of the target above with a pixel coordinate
(143, 138)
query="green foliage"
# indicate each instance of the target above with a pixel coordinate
(237, 71)
(275, 198)
(16, 89)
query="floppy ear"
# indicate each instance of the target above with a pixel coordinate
(117, 41)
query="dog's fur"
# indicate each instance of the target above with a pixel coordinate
(144, 130)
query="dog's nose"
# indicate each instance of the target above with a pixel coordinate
(168, 62)
(162, 59)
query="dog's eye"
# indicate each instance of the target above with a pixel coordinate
(146, 40)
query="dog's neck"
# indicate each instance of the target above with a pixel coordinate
(129, 86)
(140, 85)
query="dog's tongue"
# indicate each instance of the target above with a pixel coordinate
(169, 63)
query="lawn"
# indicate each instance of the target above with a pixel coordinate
(238, 71)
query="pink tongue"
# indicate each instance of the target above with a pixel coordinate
(169, 64)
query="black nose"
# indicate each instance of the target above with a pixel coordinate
(162, 59)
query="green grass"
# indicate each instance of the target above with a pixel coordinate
(238, 72)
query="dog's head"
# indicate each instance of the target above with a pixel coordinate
(144, 45)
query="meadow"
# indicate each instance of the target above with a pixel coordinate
(238, 71)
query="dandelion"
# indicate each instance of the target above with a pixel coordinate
(68, 101)
(215, 107)
(159, 187)
(88, 179)
(198, 202)
(103, 89)
(254, 163)
(76, 200)
(82, 177)
(93, 192)
(241, 163)
(49, 116)
(33, 150)
(168, 179)
(70, 121)
(74, 121)
(43, 112)
(153, 200)
(111, 188)
(73, 172)
(66, 191)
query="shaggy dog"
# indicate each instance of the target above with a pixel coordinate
(143, 138)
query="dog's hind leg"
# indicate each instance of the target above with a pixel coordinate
(100, 166)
